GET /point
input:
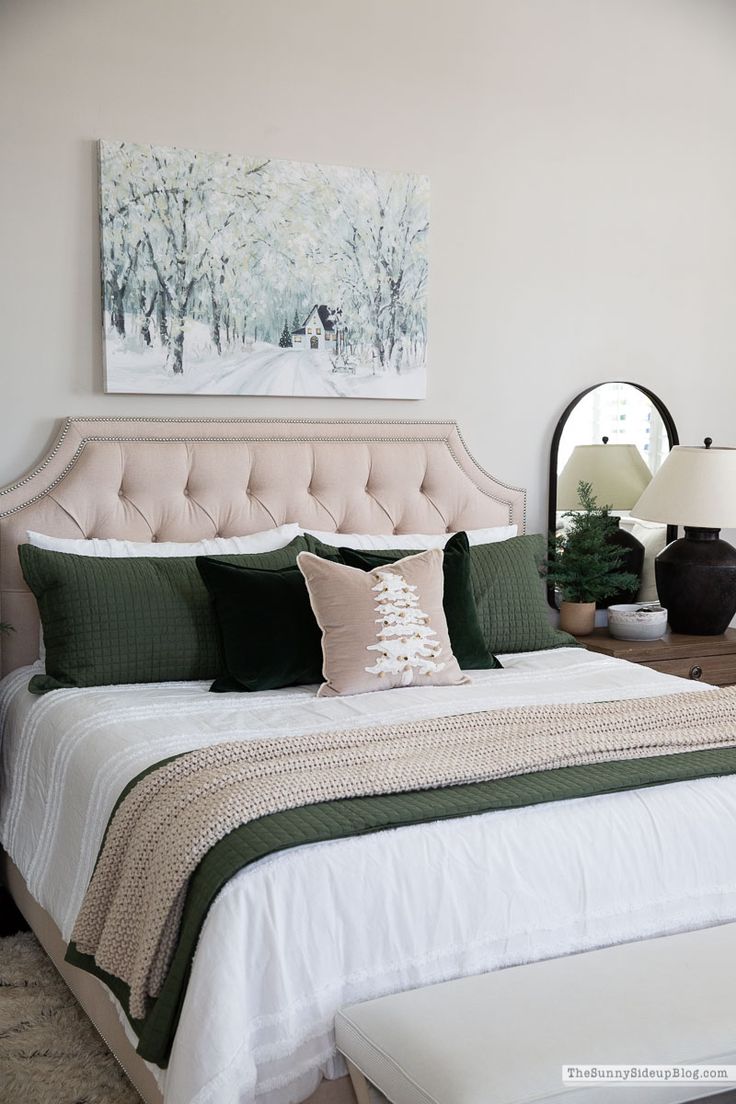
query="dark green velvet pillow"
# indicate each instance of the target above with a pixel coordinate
(109, 621)
(270, 637)
(510, 596)
(466, 637)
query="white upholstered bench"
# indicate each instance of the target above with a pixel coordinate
(502, 1038)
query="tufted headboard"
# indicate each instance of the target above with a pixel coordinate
(185, 479)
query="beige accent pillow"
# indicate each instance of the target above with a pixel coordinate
(381, 628)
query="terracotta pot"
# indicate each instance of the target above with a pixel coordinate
(577, 618)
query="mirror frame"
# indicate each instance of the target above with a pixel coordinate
(672, 436)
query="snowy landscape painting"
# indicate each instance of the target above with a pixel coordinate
(237, 275)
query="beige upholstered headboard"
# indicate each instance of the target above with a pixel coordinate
(185, 479)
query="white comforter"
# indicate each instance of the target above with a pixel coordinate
(297, 935)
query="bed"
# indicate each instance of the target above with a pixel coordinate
(313, 928)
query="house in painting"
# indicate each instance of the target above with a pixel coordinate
(317, 331)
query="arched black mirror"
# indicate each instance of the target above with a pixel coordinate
(614, 435)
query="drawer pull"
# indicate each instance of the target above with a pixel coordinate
(696, 672)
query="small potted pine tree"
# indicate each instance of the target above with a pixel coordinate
(584, 566)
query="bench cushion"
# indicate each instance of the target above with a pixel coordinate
(502, 1038)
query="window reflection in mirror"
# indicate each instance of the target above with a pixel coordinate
(623, 414)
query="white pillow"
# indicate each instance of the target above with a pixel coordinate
(419, 541)
(267, 541)
(653, 536)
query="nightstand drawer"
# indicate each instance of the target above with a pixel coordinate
(719, 670)
(707, 659)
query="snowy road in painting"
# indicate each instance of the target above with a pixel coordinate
(277, 372)
(264, 370)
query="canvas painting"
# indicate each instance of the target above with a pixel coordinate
(236, 275)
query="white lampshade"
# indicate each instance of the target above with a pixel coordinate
(618, 474)
(694, 487)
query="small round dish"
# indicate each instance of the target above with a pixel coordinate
(638, 621)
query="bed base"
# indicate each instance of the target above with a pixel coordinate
(94, 999)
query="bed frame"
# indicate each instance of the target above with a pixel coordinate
(184, 479)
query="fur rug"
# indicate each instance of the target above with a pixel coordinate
(49, 1051)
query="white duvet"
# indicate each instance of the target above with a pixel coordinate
(297, 935)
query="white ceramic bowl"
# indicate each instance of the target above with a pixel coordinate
(638, 621)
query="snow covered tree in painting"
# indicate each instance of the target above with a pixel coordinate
(243, 275)
(407, 645)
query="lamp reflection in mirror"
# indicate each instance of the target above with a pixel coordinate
(618, 475)
(696, 575)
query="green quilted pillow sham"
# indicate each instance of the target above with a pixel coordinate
(110, 621)
(510, 598)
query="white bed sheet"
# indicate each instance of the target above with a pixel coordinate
(317, 927)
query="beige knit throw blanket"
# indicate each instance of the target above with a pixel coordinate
(130, 916)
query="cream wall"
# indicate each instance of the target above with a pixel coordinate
(582, 155)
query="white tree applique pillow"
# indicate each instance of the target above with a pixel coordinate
(407, 645)
(382, 628)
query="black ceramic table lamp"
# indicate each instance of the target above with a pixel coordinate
(696, 575)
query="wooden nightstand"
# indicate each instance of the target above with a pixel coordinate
(705, 658)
